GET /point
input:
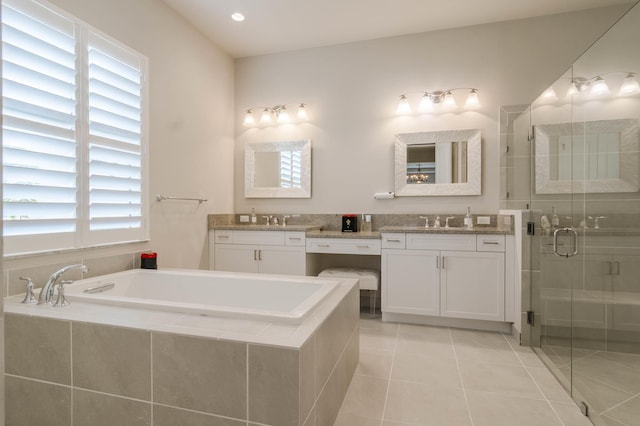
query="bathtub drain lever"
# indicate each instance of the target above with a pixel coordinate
(100, 288)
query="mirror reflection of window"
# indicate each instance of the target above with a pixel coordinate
(291, 169)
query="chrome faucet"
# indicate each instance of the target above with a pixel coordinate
(596, 220)
(267, 220)
(426, 221)
(46, 294)
(284, 219)
(446, 221)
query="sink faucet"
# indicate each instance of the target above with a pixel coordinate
(284, 219)
(446, 221)
(268, 220)
(46, 294)
(426, 221)
(596, 225)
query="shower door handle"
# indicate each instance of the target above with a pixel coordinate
(555, 242)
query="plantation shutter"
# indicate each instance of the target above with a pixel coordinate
(291, 169)
(40, 182)
(115, 98)
(74, 138)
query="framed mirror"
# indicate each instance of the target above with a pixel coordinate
(438, 163)
(277, 169)
(593, 156)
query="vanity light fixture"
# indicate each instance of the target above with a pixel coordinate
(429, 100)
(629, 86)
(549, 95)
(277, 113)
(598, 86)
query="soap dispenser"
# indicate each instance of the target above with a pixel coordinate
(436, 224)
(544, 223)
(254, 218)
(468, 219)
(555, 220)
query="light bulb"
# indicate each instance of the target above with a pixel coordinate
(266, 116)
(472, 100)
(549, 95)
(249, 120)
(283, 115)
(426, 103)
(629, 86)
(599, 87)
(302, 113)
(238, 17)
(403, 106)
(573, 89)
(449, 101)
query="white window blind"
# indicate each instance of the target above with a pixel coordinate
(115, 90)
(291, 169)
(73, 133)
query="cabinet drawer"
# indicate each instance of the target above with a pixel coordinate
(223, 237)
(264, 238)
(294, 239)
(490, 243)
(441, 242)
(393, 241)
(343, 245)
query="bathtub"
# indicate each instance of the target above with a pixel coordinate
(273, 298)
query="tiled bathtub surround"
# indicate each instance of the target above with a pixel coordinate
(333, 222)
(77, 369)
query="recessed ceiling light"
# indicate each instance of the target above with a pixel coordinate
(238, 17)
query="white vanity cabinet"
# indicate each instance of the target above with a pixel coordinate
(445, 275)
(268, 252)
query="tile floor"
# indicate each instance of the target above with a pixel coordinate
(609, 381)
(412, 375)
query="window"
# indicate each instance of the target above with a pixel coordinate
(290, 169)
(74, 133)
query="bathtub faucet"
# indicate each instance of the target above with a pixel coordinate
(46, 294)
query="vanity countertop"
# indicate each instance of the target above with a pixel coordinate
(247, 227)
(340, 234)
(443, 230)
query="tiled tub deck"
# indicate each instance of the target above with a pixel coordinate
(104, 365)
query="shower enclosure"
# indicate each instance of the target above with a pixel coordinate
(573, 165)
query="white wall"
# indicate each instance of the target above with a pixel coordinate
(352, 92)
(191, 123)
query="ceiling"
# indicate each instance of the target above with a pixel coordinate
(281, 25)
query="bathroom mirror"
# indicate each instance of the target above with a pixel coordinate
(593, 157)
(277, 169)
(438, 163)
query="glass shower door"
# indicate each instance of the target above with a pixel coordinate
(557, 258)
(585, 282)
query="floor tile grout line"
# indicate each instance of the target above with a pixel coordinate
(632, 396)
(464, 391)
(393, 359)
(535, 382)
(620, 403)
(618, 421)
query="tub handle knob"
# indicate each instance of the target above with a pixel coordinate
(61, 300)
(29, 297)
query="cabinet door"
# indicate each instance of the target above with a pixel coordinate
(472, 285)
(282, 260)
(410, 282)
(236, 258)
